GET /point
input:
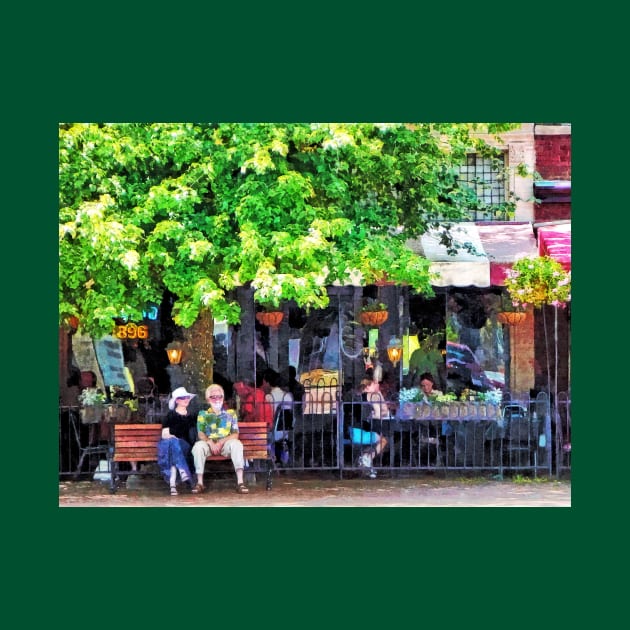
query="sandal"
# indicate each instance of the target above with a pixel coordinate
(174, 492)
(242, 489)
(198, 489)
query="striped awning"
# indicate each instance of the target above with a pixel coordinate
(555, 241)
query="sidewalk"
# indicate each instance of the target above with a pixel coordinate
(327, 490)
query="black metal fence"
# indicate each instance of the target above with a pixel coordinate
(321, 432)
(85, 439)
(562, 424)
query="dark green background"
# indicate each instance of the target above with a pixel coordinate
(321, 62)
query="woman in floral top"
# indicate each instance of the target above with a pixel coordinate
(217, 434)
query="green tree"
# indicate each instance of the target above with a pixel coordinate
(199, 209)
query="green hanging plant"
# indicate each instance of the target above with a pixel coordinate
(537, 281)
(372, 305)
(92, 396)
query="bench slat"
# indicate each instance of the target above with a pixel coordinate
(262, 454)
(253, 443)
(136, 442)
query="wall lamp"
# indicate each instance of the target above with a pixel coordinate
(174, 352)
(394, 351)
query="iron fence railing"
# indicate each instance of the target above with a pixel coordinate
(562, 423)
(320, 432)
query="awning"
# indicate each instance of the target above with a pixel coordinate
(504, 243)
(555, 241)
(497, 245)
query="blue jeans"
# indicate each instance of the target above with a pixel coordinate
(173, 452)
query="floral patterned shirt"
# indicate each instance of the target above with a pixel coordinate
(217, 426)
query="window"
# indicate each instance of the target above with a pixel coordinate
(486, 176)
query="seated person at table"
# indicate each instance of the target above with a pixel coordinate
(276, 395)
(427, 358)
(428, 396)
(365, 435)
(427, 385)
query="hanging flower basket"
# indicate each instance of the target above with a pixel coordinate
(270, 318)
(511, 318)
(537, 281)
(373, 318)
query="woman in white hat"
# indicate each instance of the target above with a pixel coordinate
(178, 435)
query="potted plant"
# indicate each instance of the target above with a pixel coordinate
(443, 402)
(412, 403)
(271, 314)
(373, 313)
(511, 313)
(537, 281)
(492, 398)
(122, 407)
(92, 405)
(414, 406)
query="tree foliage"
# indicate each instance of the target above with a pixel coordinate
(198, 209)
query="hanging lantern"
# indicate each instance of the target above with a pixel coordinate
(394, 351)
(174, 352)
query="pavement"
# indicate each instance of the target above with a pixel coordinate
(325, 489)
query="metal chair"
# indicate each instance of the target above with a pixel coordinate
(520, 435)
(283, 436)
(94, 437)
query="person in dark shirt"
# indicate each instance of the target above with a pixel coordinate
(293, 384)
(178, 435)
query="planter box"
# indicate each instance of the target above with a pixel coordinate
(92, 413)
(417, 411)
(117, 414)
(455, 409)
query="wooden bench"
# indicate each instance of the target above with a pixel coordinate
(138, 443)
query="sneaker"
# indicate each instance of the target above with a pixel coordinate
(372, 474)
(365, 461)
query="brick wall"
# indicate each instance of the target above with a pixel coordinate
(552, 211)
(553, 156)
(546, 347)
(522, 351)
(552, 145)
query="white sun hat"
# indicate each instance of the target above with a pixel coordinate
(180, 392)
